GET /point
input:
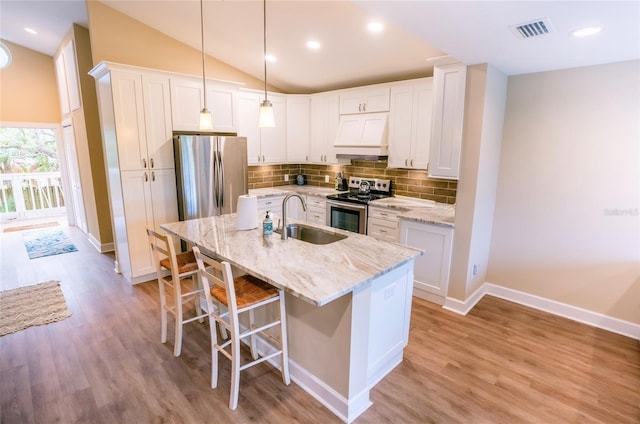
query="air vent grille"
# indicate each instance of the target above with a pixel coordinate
(532, 29)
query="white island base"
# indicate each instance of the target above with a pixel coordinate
(339, 351)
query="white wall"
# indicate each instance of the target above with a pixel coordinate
(566, 223)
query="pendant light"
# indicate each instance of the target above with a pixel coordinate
(266, 118)
(206, 122)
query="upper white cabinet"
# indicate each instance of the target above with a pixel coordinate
(449, 82)
(364, 100)
(410, 124)
(298, 128)
(264, 145)
(67, 77)
(325, 117)
(142, 113)
(187, 99)
(431, 270)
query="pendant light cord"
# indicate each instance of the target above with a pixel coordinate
(204, 88)
(264, 38)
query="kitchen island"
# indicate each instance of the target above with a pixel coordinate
(348, 303)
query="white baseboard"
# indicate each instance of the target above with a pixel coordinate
(594, 319)
(100, 247)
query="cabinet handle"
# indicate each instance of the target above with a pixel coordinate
(258, 158)
(382, 231)
(146, 177)
(364, 107)
(406, 162)
(411, 162)
(153, 176)
(359, 107)
(144, 162)
(262, 158)
(306, 158)
(151, 161)
(384, 214)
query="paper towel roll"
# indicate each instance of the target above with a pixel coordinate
(247, 215)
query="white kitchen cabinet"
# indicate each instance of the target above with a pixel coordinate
(410, 124)
(325, 117)
(67, 77)
(264, 145)
(149, 198)
(317, 210)
(295, 209)
(298, 128)
(364, 100)
(142, 112)
(383, 223)
(431, 270)
(449, 82)
(187, 99)
(272, 204)
(135, 117)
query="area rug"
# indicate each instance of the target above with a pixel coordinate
(30, 227)
(41, 243)
(31, 305)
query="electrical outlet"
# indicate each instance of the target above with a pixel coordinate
(326, 178)
(476, 269)
(286, 177)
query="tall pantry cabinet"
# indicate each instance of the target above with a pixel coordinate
(135, 111)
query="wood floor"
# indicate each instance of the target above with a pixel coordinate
(503, 363)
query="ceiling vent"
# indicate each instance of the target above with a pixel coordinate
(532, 29)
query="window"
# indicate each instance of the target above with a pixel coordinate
(5, 56)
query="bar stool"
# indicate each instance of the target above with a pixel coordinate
(241, 294)
(182, 268)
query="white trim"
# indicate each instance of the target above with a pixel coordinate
(102, 248)
(575, 313)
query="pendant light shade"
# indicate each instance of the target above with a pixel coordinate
(206, 123)
(266, 118)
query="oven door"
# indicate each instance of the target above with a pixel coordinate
(347, 216)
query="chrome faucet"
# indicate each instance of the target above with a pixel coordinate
(284, 211)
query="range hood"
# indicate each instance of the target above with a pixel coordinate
(362, 134)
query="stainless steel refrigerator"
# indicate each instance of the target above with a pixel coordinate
(211, 172)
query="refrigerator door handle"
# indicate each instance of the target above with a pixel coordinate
(216, 183)
(220, 181)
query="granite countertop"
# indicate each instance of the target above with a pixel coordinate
(317, 274)
(303, 189)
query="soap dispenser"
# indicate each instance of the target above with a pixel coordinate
(267, 225)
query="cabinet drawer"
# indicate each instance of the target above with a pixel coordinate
(383, 230)
(273, 204)
(316, 202)
(384, 213)
(317, 216)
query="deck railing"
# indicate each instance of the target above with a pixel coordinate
(31, 195)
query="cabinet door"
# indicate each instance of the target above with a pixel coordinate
(298, 128)
(63, 91)
(128, 110)
(248, 114)
(431, 270)
(421, 124)
(273, 141)
(364, 100)
(400, 126)
(157, 112)
(164, 196)
(136, 196)
(319, 114)
(448, 114)
(71, 75)
(186, 103)
(332, 122)
(222, 103)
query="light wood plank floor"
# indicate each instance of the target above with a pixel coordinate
(503, 363)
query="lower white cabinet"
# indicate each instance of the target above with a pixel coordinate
(317, 210)
(383, 224)
(431, 270)
(149, 199)
(272, 204)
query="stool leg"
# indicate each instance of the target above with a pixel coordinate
(235, 369)
(163, 311)
(284, 357)
(177, 345)
(214, 352)
(252, 338)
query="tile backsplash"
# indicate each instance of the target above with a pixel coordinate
(405, 182)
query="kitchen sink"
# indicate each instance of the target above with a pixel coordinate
(311, 234)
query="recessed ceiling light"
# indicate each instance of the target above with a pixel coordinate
(313, 44)
(375, 26)
(586, 31)
(270, 58)
(31, 31)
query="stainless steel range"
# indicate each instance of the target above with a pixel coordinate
(348, 211)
